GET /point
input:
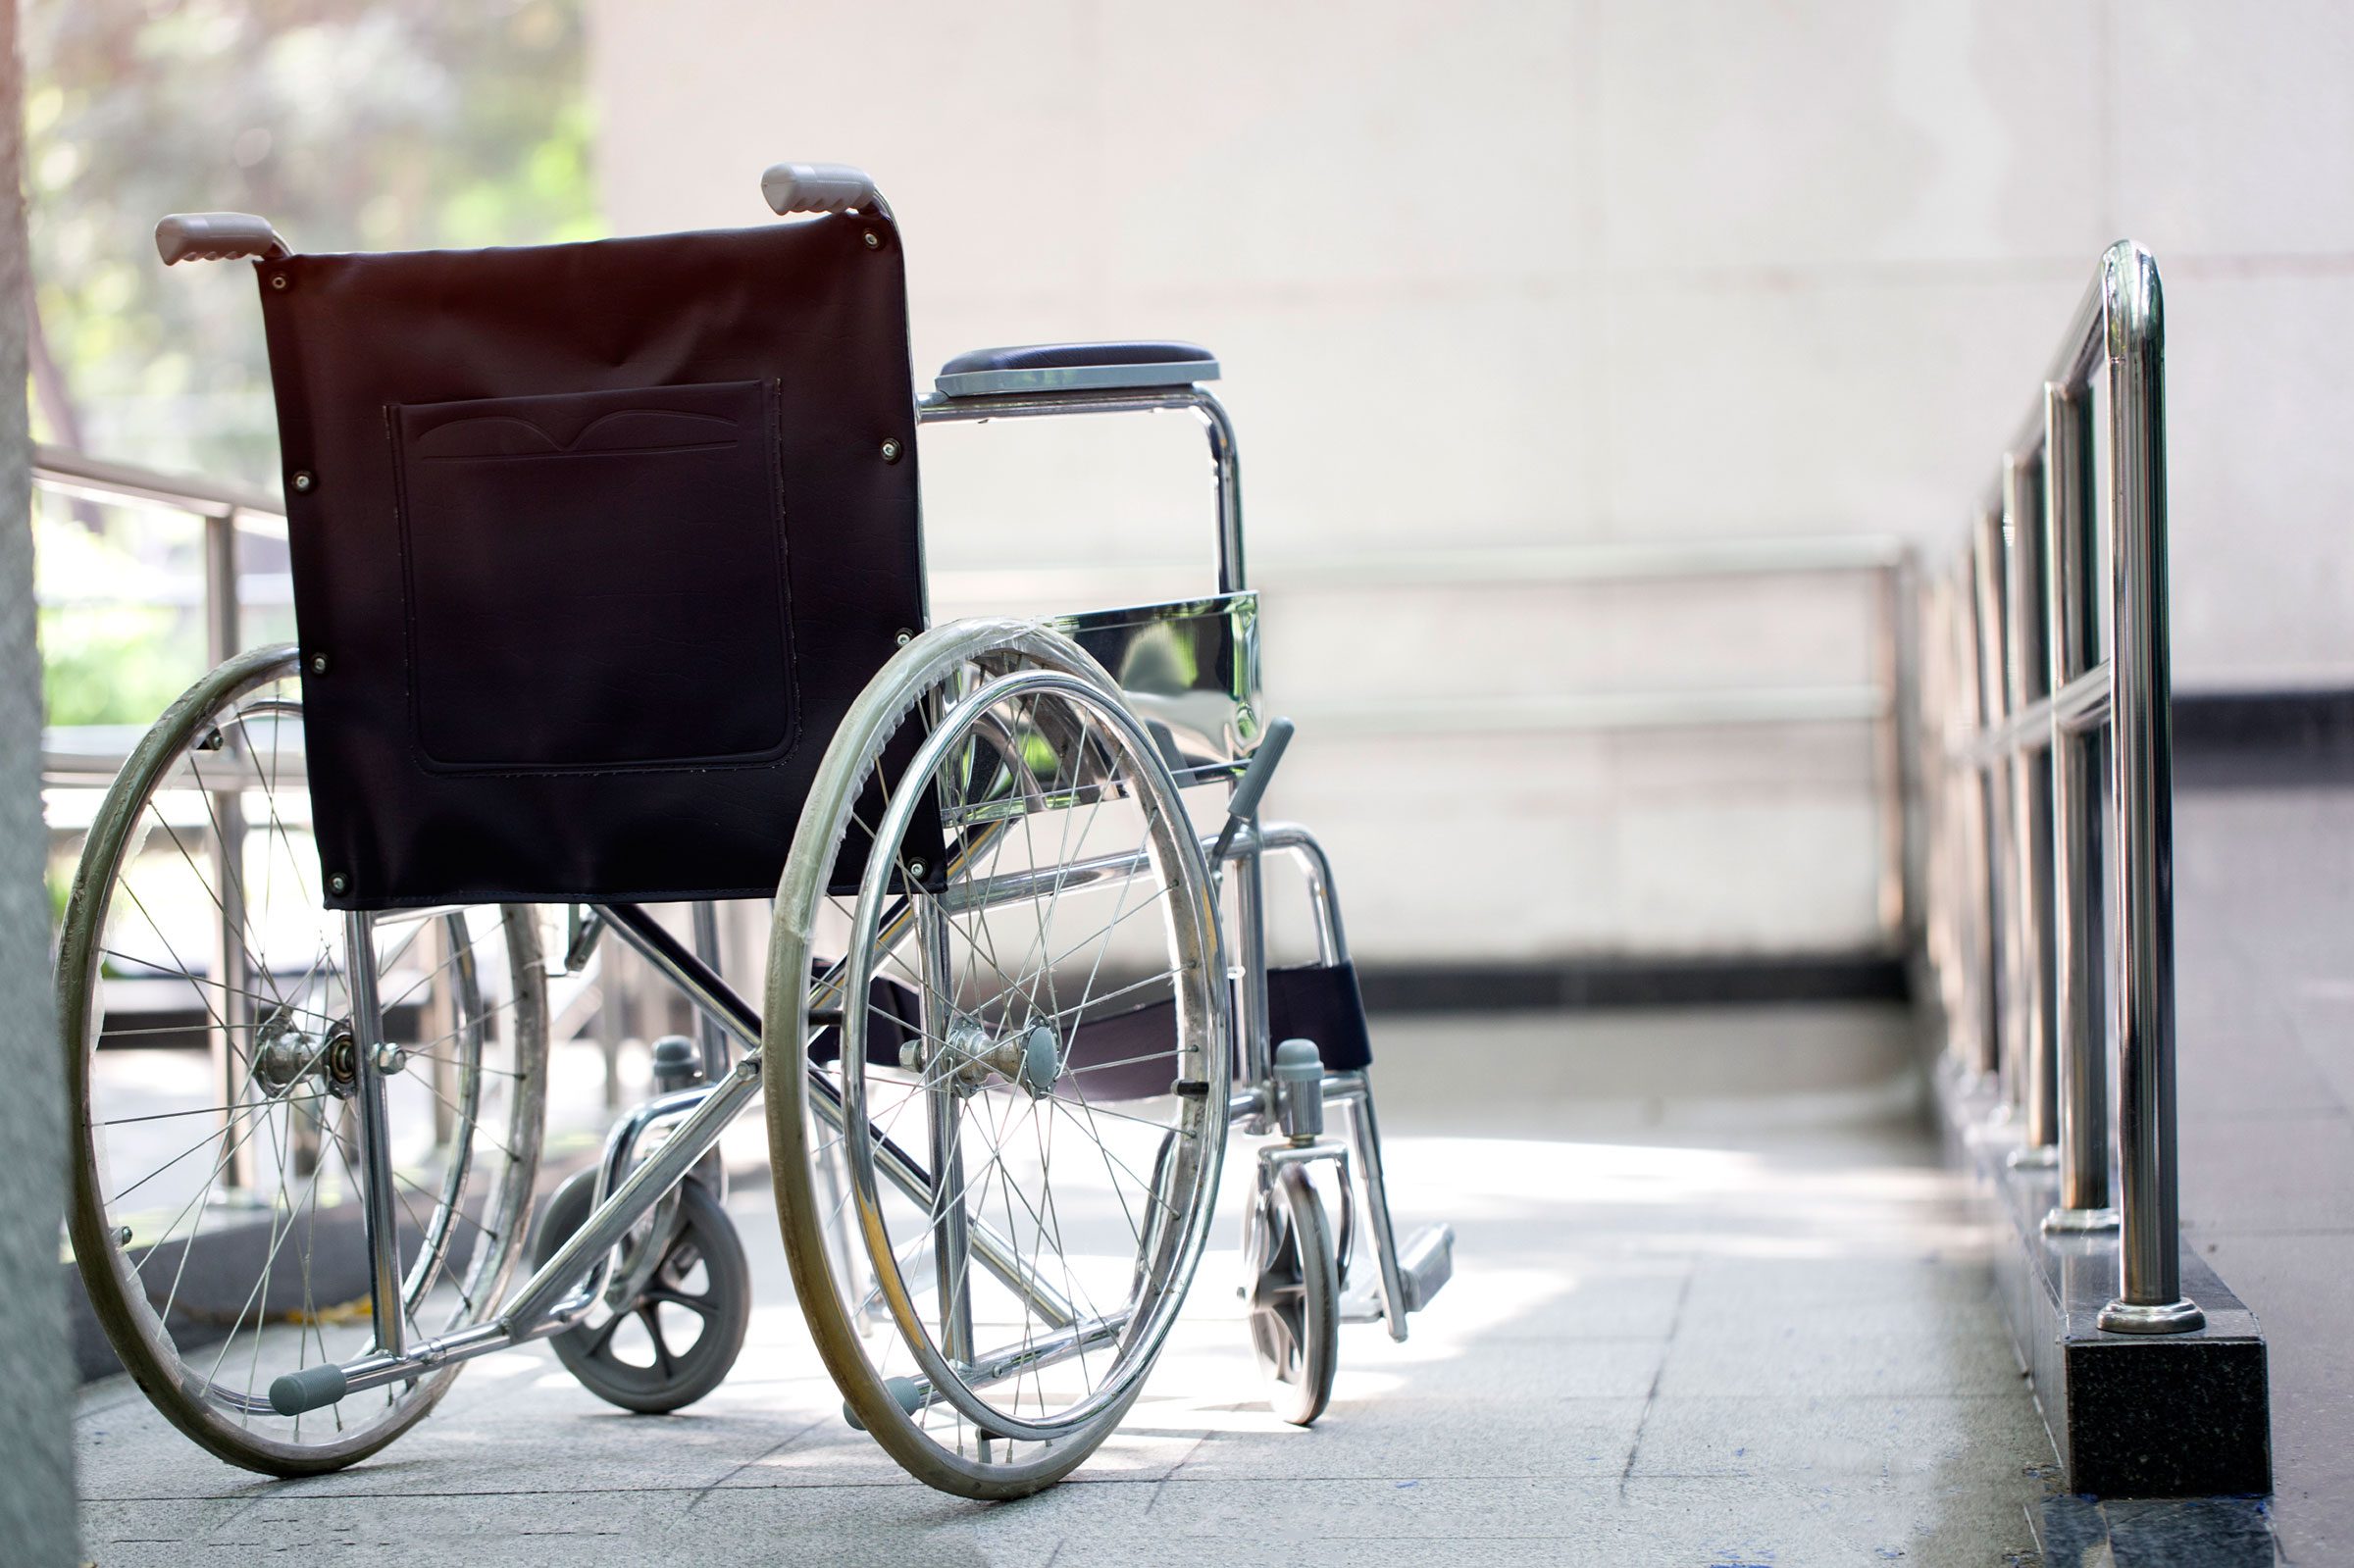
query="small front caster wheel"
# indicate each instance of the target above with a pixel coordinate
(676, 1342)
(1295, 1295)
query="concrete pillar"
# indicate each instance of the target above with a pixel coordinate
(36, 1428)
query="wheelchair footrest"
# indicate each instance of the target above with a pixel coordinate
(1426, 1264)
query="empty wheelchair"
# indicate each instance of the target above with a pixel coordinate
(609, 592)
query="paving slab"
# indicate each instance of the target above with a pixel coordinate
(1682, 1340)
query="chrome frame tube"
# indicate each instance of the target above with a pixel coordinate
(1350, 1089)
(378, 1209)
(996, 1366)
(1250, 971)
(708, 992)
(465, 1345)
(591, 1245)
(1225, 460)
(710, 1033)
(224, 636)
(1364, 1138)
(951, 1246)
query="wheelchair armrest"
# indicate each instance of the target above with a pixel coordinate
(218, 237)
(1075, 367)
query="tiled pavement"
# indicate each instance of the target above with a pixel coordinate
(1664, 1344)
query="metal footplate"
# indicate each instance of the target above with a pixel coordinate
(1425, 1263)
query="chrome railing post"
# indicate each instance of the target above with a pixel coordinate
(2080, 1042)
(2030, 810)
(2150, 1299)
(2002, 925)
(1934, 732)
(1973, 861)
(1895, 639)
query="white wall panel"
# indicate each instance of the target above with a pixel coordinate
(1505, 274)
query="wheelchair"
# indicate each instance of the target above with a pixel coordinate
(609, 592)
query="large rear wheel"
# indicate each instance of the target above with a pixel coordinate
(1017, 1049)
(229, 1084)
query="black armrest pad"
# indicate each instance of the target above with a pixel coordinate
(1076, 367)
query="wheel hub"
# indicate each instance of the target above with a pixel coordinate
(1031, 1059)
(341, 1061)
(284, 1054)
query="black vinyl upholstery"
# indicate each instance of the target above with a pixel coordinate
(1068, 356)
(597, 543)
(1133, 1055)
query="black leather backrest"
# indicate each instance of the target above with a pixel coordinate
(598, 542)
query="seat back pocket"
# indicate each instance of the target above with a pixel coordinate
(597, 581)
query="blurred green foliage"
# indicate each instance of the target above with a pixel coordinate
(350, 125)
(117, 645)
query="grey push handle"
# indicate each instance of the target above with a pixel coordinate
(1244, 804)
(818, 188)
(218, 237)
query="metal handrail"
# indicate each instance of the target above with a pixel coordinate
(98, 478)
(2023, 708)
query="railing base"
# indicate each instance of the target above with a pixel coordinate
(2183, 1412)
(2079, 1221)
(2162, 1317)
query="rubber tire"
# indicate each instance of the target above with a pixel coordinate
(1305, 1246)
(127, 1321)
(706, 1365)
(874, 718)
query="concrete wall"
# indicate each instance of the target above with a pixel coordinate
(1492, 275)
(36, 1439)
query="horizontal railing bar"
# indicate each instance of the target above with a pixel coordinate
(1545, 566)
(1598, 711)
(2079, 707)
(254, 589)
(100, 479)
(90, 755)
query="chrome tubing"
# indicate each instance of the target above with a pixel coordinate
(2002, 929)
(224, 639)
(712, 995)
(1973, 889)
(1225, 461)
(944, 1106)
(710, 1033)
(464, 1345)
(2061, 704)
(1364, 1138)
(2031, 811)
(2141, 765)
(591, 1244)
(996, 1366)
(378, 1207)
(2072, 604)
